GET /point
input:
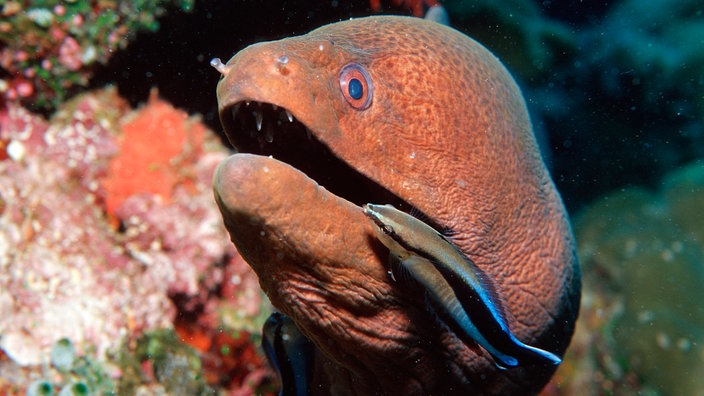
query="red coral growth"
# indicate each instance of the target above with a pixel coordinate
(229, 361)
(155, 143)
(231, 358)
(417, 6)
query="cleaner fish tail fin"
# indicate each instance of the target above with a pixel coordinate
(527, 354)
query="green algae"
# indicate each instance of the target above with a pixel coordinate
(174, 365)
(71, 374)
(685, 197)
(645, 250)
(63, 355)
(34, 37)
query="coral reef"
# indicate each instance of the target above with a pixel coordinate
(642, 323)
(96, 251)
(50, 47)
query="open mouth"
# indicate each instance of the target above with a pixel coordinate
(266, 129)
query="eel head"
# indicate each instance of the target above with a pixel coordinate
(407, 112)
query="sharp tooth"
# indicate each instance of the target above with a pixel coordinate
(275, 107)
(309, 133)
(247, 103)
(259, 116)
(269, 133)
(234, 110)
(289, 116)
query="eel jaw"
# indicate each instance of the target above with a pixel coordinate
(267, 129)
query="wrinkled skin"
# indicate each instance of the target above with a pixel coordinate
(448, 133)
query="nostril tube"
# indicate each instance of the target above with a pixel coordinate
(281, 63)
(219, 66)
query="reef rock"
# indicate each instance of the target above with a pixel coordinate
(642, 321)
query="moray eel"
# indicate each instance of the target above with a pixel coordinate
(400, 111)
(454, 283)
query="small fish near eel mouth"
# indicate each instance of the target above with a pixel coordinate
(407, 112)
(456, 287)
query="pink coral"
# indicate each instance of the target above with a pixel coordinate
(21, 129)
(82, 135)
(70, 54)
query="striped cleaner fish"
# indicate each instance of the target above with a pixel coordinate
(456, 287)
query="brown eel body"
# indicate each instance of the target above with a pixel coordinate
(438, 124)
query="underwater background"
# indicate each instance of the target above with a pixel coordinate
(116, 274)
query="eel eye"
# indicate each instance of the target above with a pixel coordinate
(356, 86)
(387, 229)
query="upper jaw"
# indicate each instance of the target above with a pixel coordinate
(269, 129)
